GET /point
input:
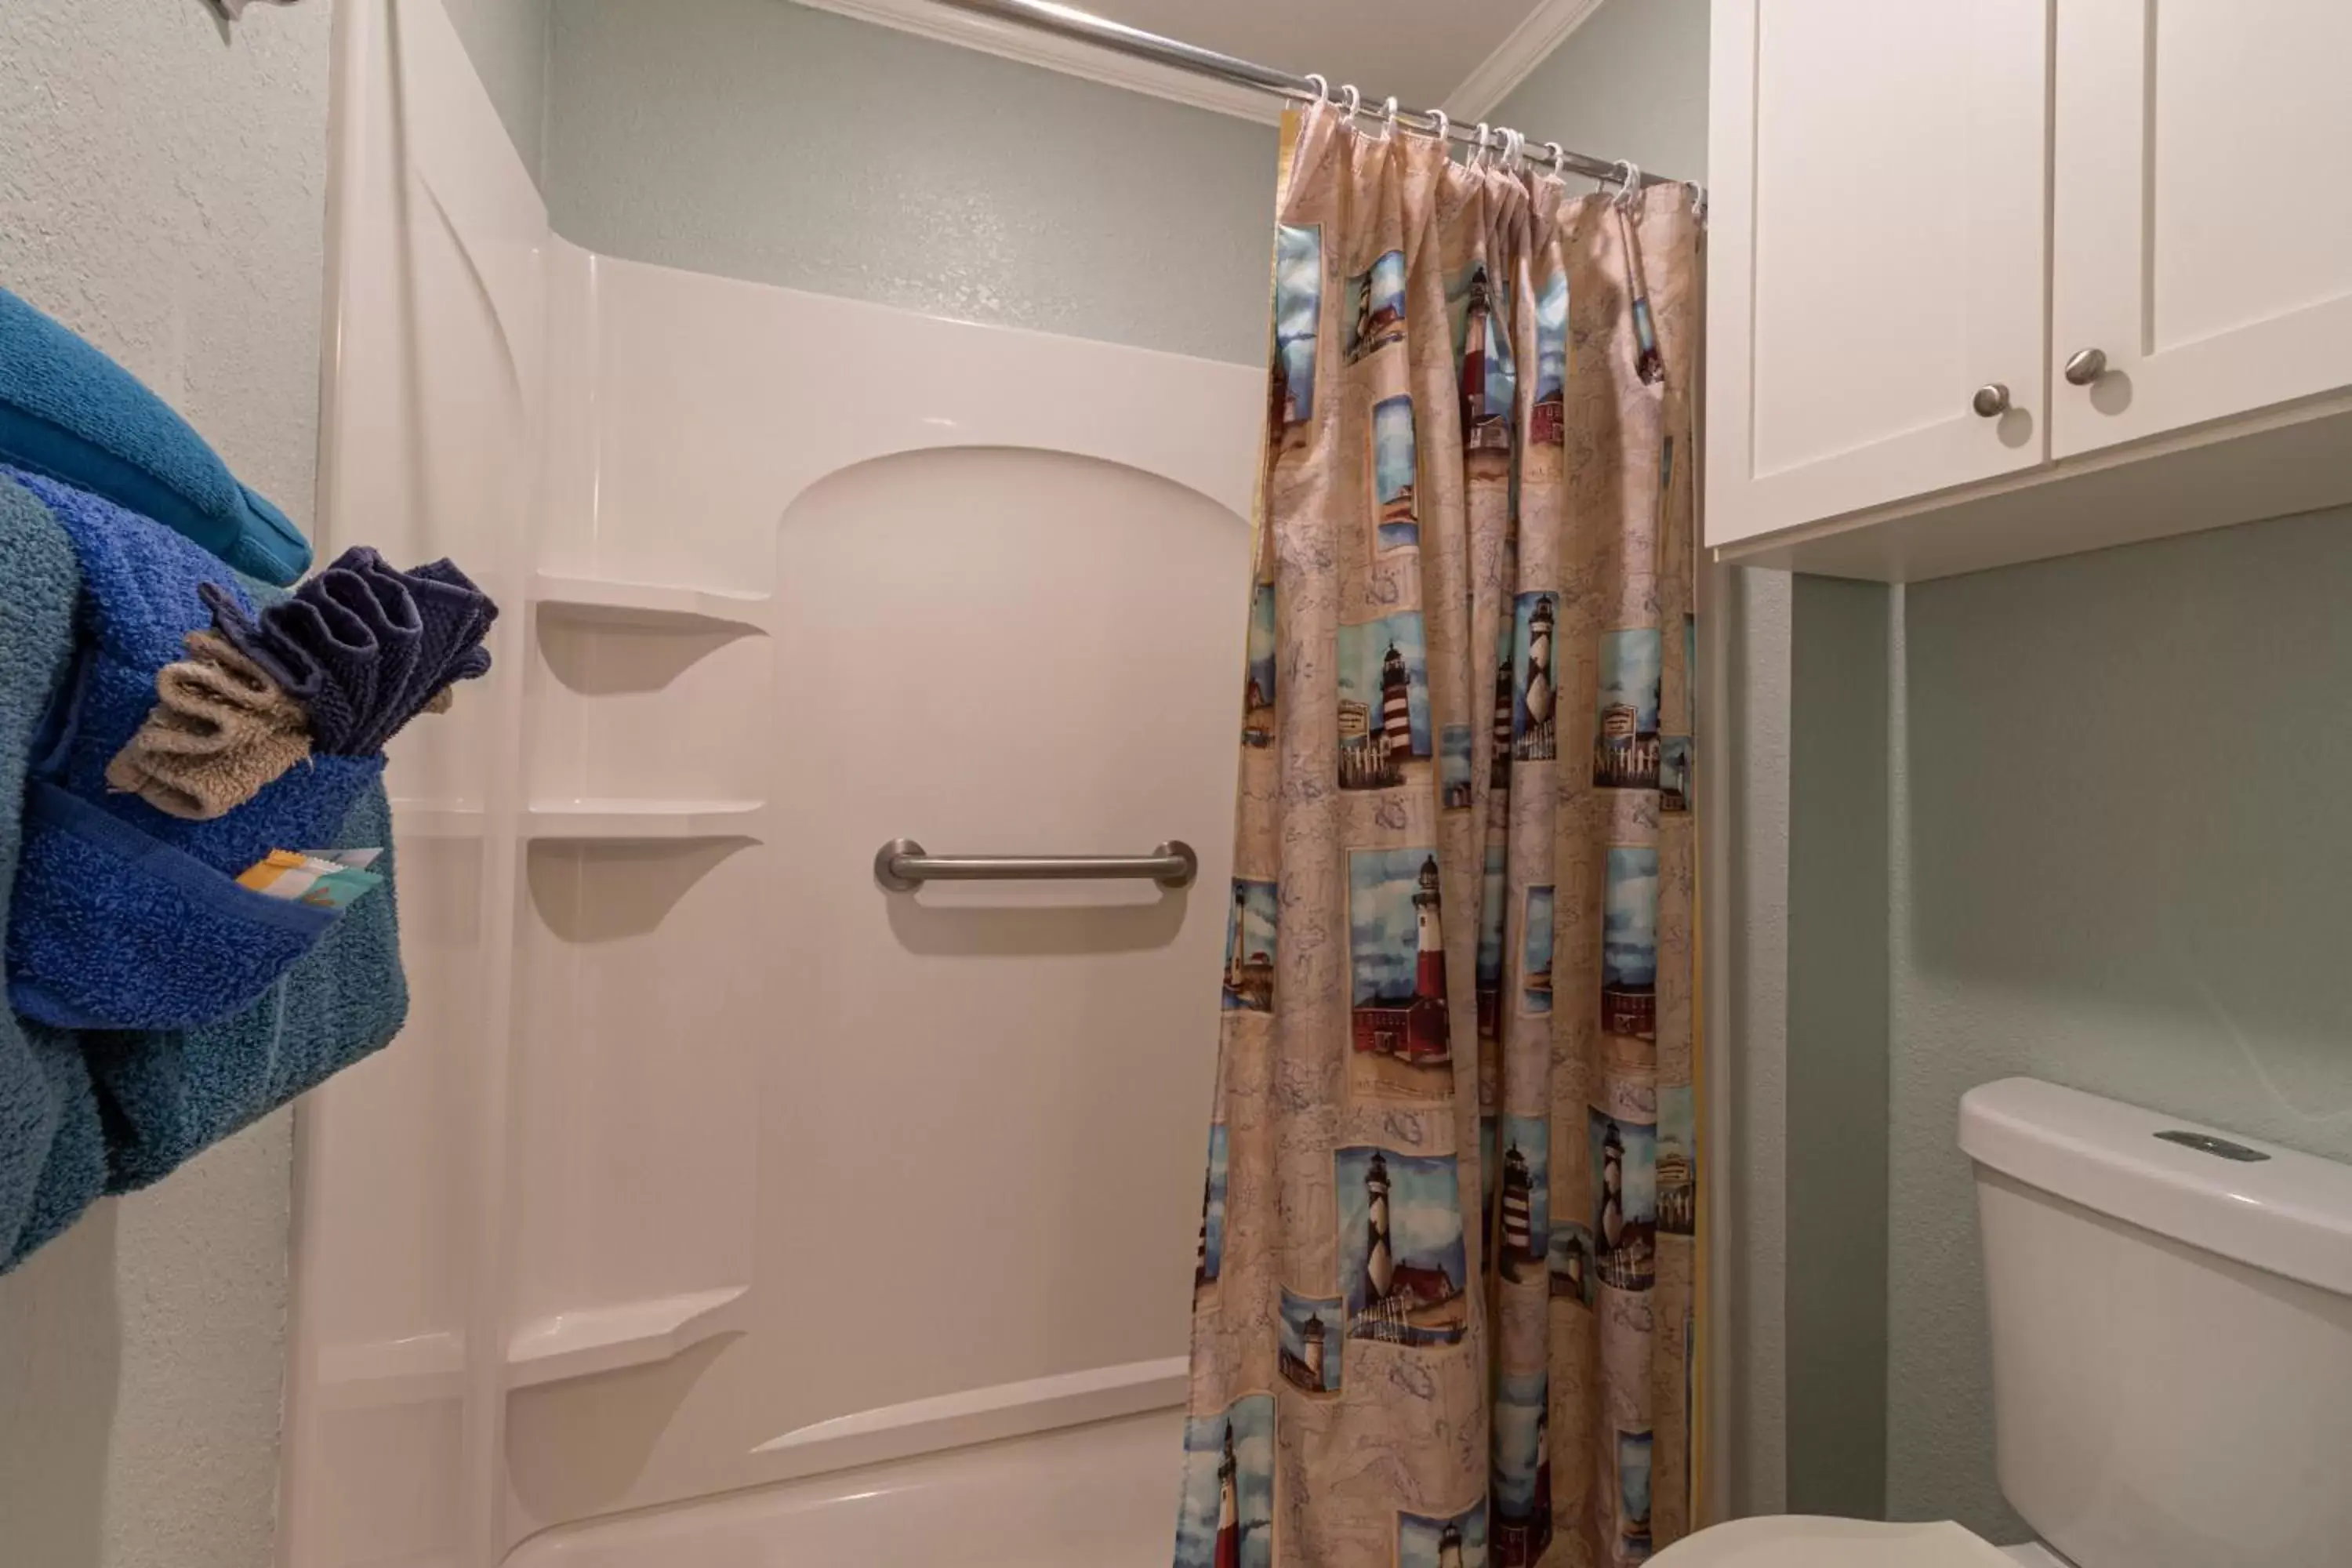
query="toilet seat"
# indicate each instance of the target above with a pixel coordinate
(1800, 1540)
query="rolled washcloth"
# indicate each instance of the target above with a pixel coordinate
(220, 731)
(363, 645)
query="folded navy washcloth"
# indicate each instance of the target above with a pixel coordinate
(124, 917)
(52, 1155)
(364, 645)
(70, 412)
(456, 614)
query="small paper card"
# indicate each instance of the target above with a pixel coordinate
(323, 878)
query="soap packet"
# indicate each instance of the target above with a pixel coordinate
(322, 878)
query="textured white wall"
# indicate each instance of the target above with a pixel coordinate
(162, 192)
(766, 141)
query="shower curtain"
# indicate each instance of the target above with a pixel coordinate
(1445, 1303)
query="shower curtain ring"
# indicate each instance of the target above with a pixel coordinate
(1558, 157)
(1630, 186)
(1389, 119)
(1322, 85)
(1445, 130)
(1515, 150)
(1478, 156)
(1354, 101)
(1699, 200)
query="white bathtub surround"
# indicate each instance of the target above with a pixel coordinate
(706, 1164)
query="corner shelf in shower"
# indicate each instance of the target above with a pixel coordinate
(660, 606)
(631, 1333)
(641, 821)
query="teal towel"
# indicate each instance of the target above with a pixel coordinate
(52, 1157)
(75, 1172)
(70, 412)
(171, 1093)
(87, 1113)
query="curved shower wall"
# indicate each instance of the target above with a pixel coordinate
(705, 1164)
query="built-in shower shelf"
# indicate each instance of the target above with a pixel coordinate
(632, 1333)
(977, 1415)
(644, 821)
(661, 606)
(438, 819)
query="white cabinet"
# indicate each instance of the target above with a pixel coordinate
(1883, 261)
(1925, 213)
(2203, 211)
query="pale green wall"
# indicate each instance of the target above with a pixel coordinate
(1752, 1449)
(162, 191)
(1835, 1122)
(767, 141)
(2124, 865)
(507, 41)
(1630, 82)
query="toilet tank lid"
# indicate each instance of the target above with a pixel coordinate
(2285, 1213)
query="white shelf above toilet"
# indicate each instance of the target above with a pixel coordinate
(629, 1333)
(644, 820)
(660, 607)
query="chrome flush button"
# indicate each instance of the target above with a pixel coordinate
(2205, 1143)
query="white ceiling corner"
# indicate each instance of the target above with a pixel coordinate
(1014, 42)
(1545, 29)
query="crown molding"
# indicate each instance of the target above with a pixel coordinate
(1530, 43)
(1010, 41)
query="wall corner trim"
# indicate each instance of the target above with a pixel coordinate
(1010, 41)
(1516, 57)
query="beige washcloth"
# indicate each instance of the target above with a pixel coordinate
(221, 729)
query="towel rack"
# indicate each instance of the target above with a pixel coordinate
(902, 865)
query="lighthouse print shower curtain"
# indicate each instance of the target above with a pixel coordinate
(1445, 1310)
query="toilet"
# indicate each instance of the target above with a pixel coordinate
(2171, 1314)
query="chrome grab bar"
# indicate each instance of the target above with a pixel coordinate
(902, 865)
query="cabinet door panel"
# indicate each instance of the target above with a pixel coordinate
(2203, 211)
(1877, 253)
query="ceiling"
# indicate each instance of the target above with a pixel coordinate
(1420, 50)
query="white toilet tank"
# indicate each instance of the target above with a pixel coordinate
(2171, 1333)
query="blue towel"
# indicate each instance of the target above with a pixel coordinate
(111, 1111)
(124, 917)
(52, 1156)
(171, 1093)
(67, 411)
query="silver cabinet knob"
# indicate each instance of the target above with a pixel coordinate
(2086, 367)
(1992, 400)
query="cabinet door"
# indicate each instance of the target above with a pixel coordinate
(2203, 210)
(1876, 247)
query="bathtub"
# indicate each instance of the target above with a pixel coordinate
(1099, 1496)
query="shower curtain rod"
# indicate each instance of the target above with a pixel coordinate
(1069, 22)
